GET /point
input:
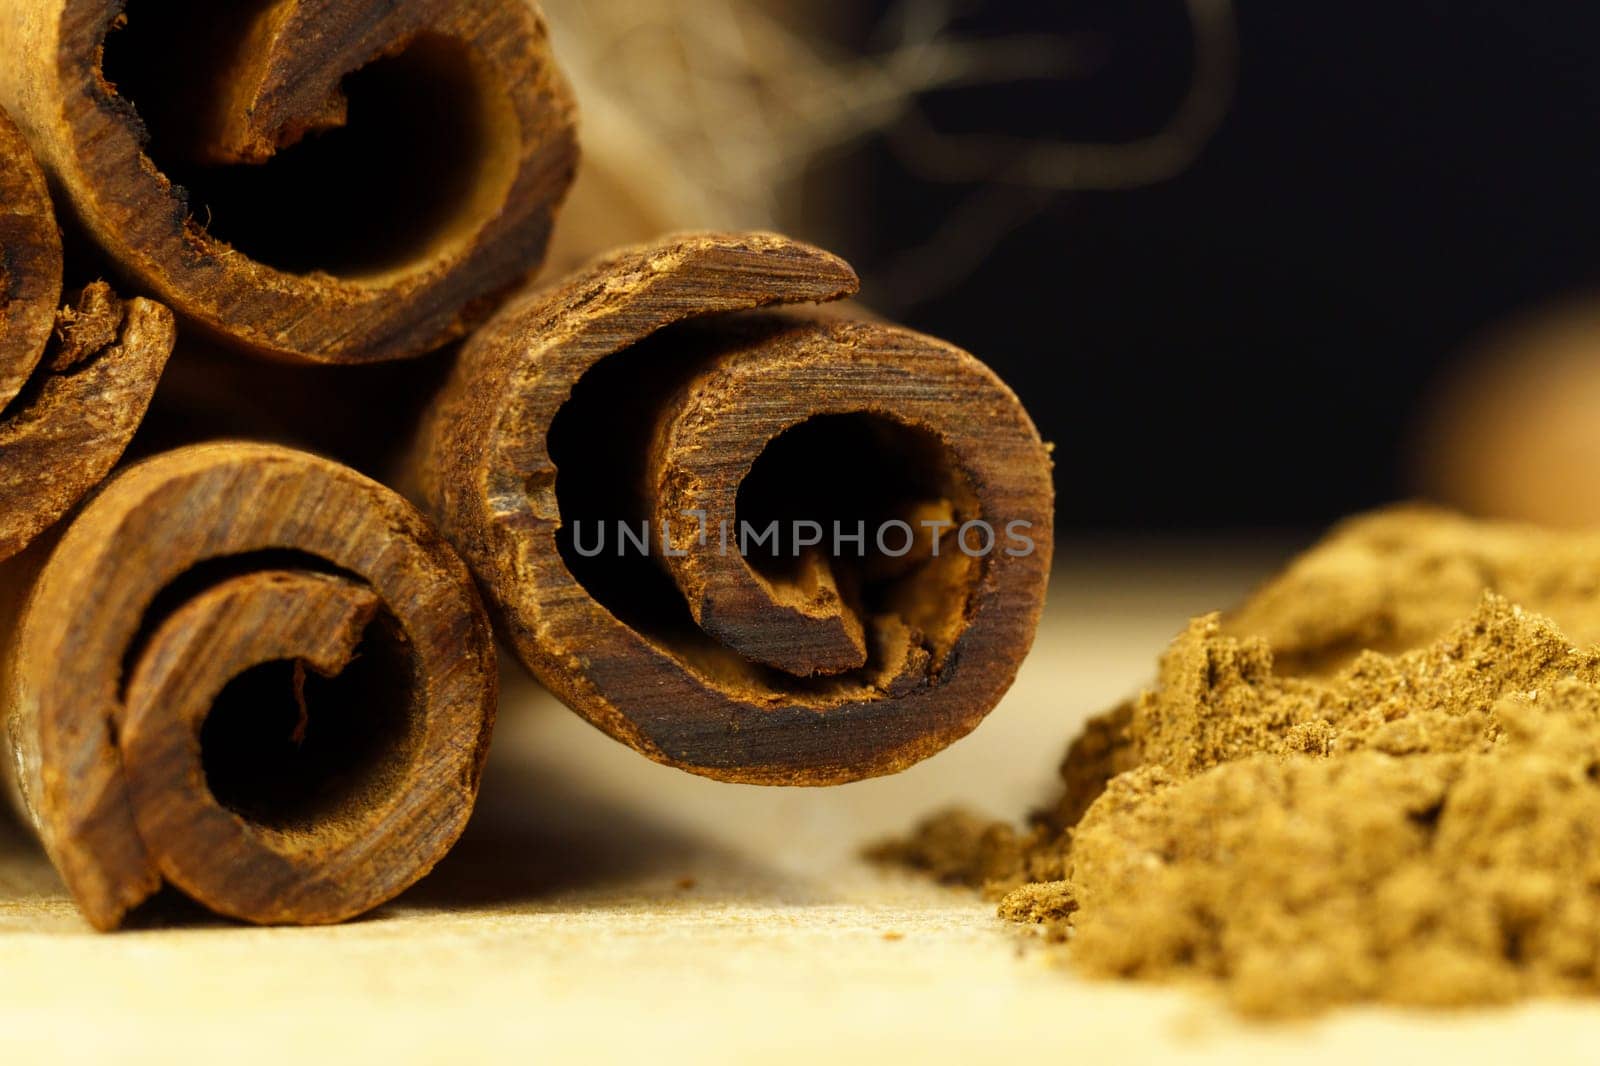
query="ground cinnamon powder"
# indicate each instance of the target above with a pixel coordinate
(1378, 779)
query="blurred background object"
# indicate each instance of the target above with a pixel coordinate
(1227, 252)
(1516, 431)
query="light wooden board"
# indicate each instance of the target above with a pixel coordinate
(605, 908)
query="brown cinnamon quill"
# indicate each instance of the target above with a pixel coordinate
(75, 381)
(649, 388)
(316, 180)
(251, 674)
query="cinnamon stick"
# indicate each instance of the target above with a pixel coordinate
(648, 394)
(316, 180)
(75, 381)
(251, 674)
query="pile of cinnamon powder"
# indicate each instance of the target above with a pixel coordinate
(1379, 779)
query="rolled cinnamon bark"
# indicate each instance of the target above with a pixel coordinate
(75, 381)
(647, 398)
(318, 180)
(254, 675)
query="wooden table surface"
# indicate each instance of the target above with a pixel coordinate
(604, 907)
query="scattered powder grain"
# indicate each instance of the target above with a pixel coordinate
(1379, 779)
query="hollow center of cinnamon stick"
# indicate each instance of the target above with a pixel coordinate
(847, 474)
(827, 496)
(417, 162)
(289, 749)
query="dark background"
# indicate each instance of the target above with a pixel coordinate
(1249, 343)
